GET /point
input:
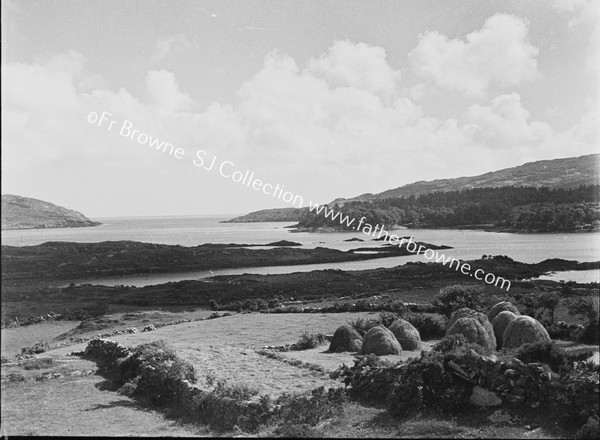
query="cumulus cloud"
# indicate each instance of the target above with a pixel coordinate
(497, 55)
(505, 124)
(356, 65)
(326, 120)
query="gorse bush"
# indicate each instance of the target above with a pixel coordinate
(451, 298)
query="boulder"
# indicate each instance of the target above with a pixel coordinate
(500, 323)
(406, 334)
(502, 306)
(345, 338)
(524, 330)
(474, 332)
(380, 341)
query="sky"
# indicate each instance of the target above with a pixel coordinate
(327, 98)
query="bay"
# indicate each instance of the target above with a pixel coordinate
(196, 230)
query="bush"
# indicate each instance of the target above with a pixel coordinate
(549, 353)
(238, 391)
(38, 348)
(308, 341)
(428, 326)
(38, 364)
(425, 384)
(459, 345)
(310, 410)
(159, 371)
(451, 298)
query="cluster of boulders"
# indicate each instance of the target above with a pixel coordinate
(502, 327)
(379, 340)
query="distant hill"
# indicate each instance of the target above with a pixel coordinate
(271, 215)
(26, 213)
(565, 173)
(558, 173)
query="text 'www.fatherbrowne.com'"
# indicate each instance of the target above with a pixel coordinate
(431, 254)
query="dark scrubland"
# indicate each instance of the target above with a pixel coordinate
(53, 261)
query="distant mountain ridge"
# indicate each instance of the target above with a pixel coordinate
(565, 173)
(557, 173)
(27, 213)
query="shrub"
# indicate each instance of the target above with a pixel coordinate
(586, 309)
(238, 391)
(38, 348)
(159, 371)
(424, 383)
(451, 298)
(428, 326)
(474, 332)
(500, 323)
(523, 330)
(502, 306)
(38, 364)
(459, 345)
(345, 338)
(380, 341)
(311, 409)
(548, 353)
(308, 341)
(406, 334)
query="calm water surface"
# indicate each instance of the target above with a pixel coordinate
(195, 230)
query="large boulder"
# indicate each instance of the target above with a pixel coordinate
(474, 332)
(502, 306)
(500, 323)
(380, 341)
(345, 338)
(524, 330)
(406, 334)
(466, 312)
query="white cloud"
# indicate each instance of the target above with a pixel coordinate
(321, 132)
(356, 65)
(505, 124)
(498, 55)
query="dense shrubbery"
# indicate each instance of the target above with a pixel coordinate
(549, 353)
(451, 298)
(424, 383)
(429, 326)
(309, 340)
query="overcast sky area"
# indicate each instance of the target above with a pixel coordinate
(328, 98)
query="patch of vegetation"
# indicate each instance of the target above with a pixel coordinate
(310, 340)
(429, 326)
(549, 353)
(38, 363)
(239, 391)
(458, 296)
(38, 348)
